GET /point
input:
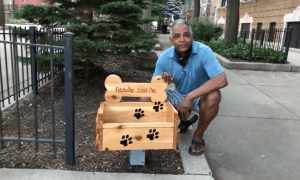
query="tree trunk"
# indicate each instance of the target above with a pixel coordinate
(207, 14)
(147, 14)
(232, 21)
(196, 9)
(2, 13)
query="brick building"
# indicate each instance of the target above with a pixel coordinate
(207, 9)
(266, 14)
(10, 5)
(19, 3)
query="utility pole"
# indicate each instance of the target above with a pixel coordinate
(2, 13)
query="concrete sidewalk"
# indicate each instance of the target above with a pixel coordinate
(256, 134)
(41, 174)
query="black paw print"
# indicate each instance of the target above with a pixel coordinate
(126, 140)
(138, 113)
(153, 134)
(158, 106)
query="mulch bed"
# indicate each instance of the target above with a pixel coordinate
(88, 95)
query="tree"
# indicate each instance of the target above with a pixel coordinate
(147, 14)
(2, 13)
(156, 9)
(98, 26)
(171, 8)
(232, 21)
(196, 9)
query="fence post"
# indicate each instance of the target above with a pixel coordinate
(16, 85)
(33, 59)
(245, 36)
(251, 45)
(289, 31)
(262, 38)
(69, 98)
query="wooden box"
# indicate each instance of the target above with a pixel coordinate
(136, 125)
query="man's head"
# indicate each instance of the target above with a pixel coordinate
(181, 36)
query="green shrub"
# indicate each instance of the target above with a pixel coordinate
(205, 30)
(241, 50)
(8, 20)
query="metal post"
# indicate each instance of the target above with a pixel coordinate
(289, 31)
(137, 157)
(251, 45)
(34, 83)
(16, 85)
(52, 93)
(262, 38)
(33, 59)
(69, 98)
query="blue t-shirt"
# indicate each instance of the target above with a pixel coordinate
(201, 66)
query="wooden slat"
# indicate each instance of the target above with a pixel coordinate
(99, 139)
(125, 112)
(113, 137)
(172, 116)
(99, 126)
(99, 118)
(138, 125)
(175, 138)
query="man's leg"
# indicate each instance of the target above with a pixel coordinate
(209, 108)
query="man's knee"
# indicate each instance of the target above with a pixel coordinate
(212, 99)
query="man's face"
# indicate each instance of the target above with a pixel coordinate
(181, 38)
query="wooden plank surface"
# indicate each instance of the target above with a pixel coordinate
(138, 139)
(130, 112)
(116, 89)
(138, 125)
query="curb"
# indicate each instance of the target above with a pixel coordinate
(256, 66)
(30, 174)
(157, 47)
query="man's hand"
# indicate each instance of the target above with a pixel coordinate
(167, 76)
(185, 108)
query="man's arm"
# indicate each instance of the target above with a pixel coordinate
(211, 85)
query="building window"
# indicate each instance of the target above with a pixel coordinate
(245, 27)
(223, 3)
(272, 31)
(259, 31)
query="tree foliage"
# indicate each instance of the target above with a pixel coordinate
(98, 26)
(205, 30)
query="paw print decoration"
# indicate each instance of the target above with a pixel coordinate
(139, 113)
(126, 140)
(158, 106)
(153, 134)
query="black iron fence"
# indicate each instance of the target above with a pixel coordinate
(24, 67)
(8, 7)
(22, 35)
(275, 39)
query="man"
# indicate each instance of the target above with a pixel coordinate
(197, 76)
